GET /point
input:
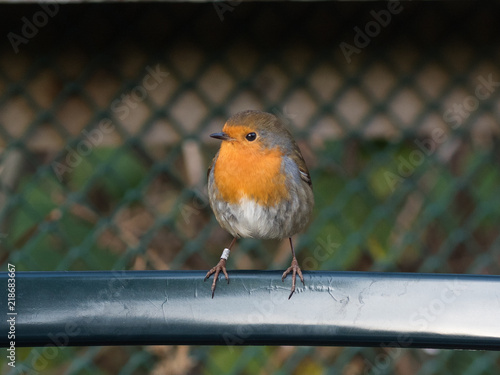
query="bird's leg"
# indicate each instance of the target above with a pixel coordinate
(221, 266)
(295, 269)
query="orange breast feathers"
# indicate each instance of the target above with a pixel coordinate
(250, 171)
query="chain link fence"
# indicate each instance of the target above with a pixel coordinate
(105, 112)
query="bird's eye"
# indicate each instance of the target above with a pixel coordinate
(251, 137)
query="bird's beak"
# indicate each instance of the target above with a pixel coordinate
(221, 135)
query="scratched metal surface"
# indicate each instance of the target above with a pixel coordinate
(334, 308)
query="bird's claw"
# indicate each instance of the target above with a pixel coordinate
(221, 266)
(295, 269)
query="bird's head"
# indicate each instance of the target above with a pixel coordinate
(254, 130)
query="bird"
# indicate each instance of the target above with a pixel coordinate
(259, 185)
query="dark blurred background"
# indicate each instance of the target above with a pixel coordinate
(105, 112)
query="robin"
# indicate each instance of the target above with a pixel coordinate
(259, 185)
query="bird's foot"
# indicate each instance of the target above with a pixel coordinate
(221, 266)
(295, 269)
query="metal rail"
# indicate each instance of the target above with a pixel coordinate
(175, 307)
